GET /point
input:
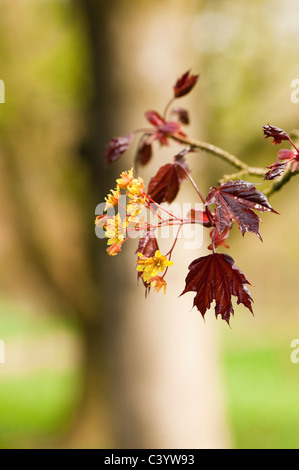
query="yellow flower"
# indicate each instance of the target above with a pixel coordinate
(101, 221)
(152, 266)
(125, 179)
(136, 193)
(134, 208)
(113, 198)
(135, 223)
(158, 283)
(114, 249)
(115, 230)
(136, 190)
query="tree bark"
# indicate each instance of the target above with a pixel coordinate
(124, 368)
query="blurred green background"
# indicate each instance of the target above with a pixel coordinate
(80, 370)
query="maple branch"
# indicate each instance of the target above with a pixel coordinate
(223, 154)
(233, 176)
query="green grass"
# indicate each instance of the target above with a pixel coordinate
(18, 321)
(263, 396)
(262, 385)
(36, 405)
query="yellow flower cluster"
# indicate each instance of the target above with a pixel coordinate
(115, 227)
(113, 198)
(151, 267)
(137, 196)
(118, 229)
(125, 179)
(115, 230)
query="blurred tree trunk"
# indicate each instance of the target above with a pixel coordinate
(145, 384)
(96, 419)
(134, 422)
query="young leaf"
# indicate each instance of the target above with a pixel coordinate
(275, 132)
(216, 277)
(117, 146)
(285, 154)
(182, 114)
(148, 244)
(289, 156)
(234, 201)
(164, 128)
(165, 185)
(219, 239)
(154, 118)
(275, 170)
(144, 151)
(200, 216)
(179, 157)
(184, 84)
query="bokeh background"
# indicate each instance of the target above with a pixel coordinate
(89, 362)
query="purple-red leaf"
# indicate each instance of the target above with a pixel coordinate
(275, 132)
(179, 157)
(164, 129)
(117, 146)
(234, 201)
(182, 114)
(198, 215)
(216, 277)
(165, 185)
(144, 151)
(148, 244)
(171, 128)
(275, 170)
(285, 154)
(218, 239)
(154, 118)
(184, 84)
(290, 156)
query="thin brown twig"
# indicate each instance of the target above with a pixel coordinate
(223, 154)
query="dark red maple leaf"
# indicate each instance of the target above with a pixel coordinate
(234, 201)
(165, 185)
(164, 129)
(216, 277)
(184, 84)
(117, 146)
(275, 132)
